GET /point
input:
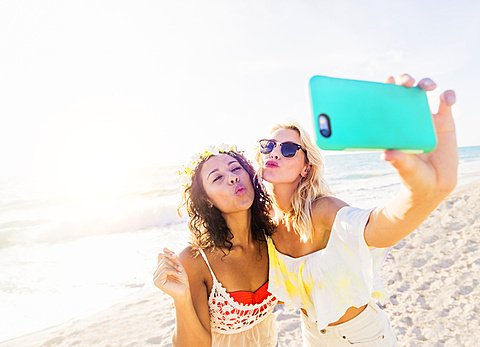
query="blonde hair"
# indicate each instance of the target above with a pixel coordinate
(309, 188)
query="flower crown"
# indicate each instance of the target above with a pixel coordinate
(187, 171)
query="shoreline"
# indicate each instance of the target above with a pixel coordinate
(430, 275)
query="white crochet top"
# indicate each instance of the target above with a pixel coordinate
(327, 282)
(237, 324)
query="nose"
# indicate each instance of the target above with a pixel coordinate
(233, 178)
(275, 152)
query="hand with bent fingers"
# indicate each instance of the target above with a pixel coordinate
(170, 276)
(431, 174)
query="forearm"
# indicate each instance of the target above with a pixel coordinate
(400, 216)
(189, 331)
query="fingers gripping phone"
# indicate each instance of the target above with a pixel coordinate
(361, 115)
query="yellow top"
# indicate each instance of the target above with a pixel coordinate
(327, 282)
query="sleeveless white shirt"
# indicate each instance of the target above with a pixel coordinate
(237, 324)
(327, 282)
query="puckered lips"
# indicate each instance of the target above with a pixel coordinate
(240, 189)
(271, 164)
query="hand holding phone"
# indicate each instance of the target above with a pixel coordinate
(361, 115)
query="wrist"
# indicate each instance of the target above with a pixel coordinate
(429, 197)
(422, 199)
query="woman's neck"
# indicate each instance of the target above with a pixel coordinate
(282, 195)
(239, 224)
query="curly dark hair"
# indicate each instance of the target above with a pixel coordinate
(206, 223)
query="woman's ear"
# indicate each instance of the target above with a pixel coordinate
(306, 170)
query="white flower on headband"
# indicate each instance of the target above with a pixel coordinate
(184, 179)
(223, 147)
(186, 173)
(194, 158)
(213, 150)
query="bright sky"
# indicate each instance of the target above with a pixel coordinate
(89, 86)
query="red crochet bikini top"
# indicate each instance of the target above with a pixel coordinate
(256, 297)
(238, 311)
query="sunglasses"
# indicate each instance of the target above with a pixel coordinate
(288, 149)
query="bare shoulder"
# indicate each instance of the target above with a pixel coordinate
(192, 261)
(324, 211)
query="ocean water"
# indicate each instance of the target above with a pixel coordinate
(71, 251)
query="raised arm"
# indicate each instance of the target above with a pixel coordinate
(427, 178)
(189, 294)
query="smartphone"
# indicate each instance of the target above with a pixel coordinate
(361, 115)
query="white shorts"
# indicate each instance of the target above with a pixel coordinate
(370, 328)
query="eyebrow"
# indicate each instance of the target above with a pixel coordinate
(215, 170)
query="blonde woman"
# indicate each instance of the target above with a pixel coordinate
(325, 255)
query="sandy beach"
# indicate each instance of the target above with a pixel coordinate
(432, 278)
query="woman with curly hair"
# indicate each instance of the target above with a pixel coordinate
(220, 282)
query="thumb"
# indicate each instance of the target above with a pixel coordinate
(401, 161)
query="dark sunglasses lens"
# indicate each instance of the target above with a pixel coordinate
(266, 146)
(289, 149)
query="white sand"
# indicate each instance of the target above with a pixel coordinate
(432, 278)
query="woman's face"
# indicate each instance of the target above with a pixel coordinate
(227, 184)
(277, 169)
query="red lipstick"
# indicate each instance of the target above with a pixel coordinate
(271, 164)
(240, 189)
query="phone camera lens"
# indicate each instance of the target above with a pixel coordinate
(324, 125)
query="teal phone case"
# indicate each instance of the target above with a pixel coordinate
(369, 115)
